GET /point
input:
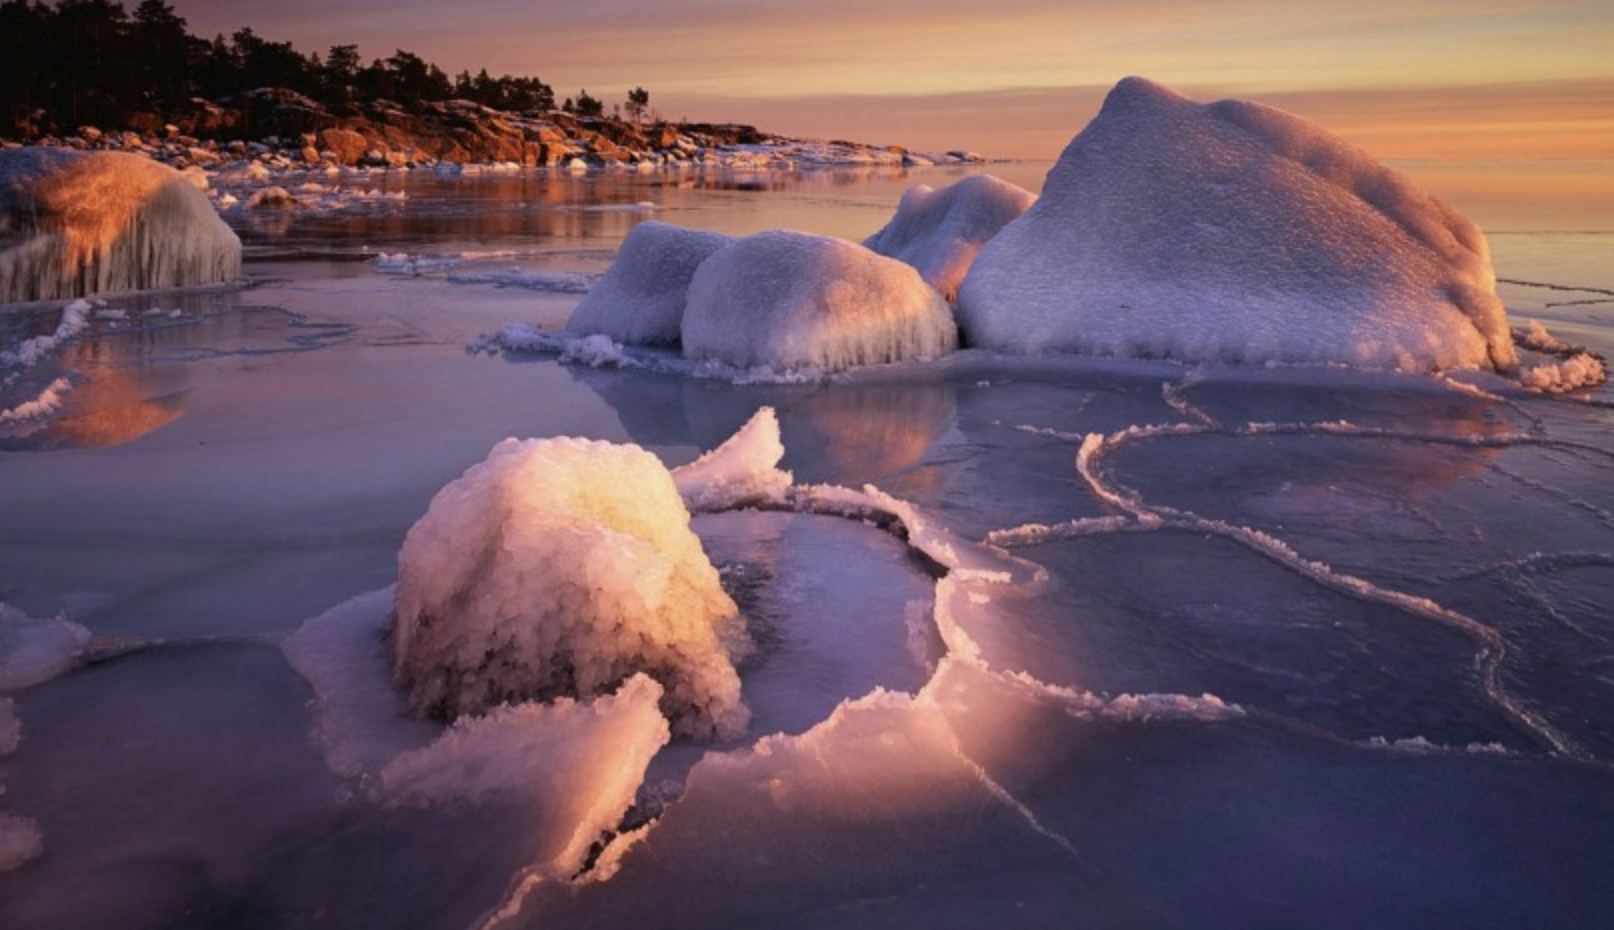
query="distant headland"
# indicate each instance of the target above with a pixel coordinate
(87, 74)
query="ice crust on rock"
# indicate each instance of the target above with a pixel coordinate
(1234, 232)
(78, 223)
(940, 231)
(640, 300)
(790, 301)
(560, 568)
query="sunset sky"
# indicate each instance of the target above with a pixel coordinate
(1440, 79)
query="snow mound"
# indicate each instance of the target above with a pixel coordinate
(1234, 232)
(789, 301)
(78, 223)
(939, 232)
(743, 471)
(641, 299)
(560, 568)
(34, 651)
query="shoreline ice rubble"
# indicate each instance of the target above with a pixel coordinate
(1234, 232)
(74, 224)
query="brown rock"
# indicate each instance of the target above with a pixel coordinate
(347, 146)
(663, 137)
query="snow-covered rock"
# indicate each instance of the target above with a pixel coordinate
(560, 568)
(790, 301)
(940, 231)
(78, 223)
(1234, 232)
(640, 300)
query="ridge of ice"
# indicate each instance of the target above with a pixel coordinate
(35, 650)
(743, 471)
(535, 749)
(74, 320)
(47, 403)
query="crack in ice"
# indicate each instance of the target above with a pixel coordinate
(1492, 651)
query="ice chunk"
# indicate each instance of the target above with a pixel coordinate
(32, 651)
(1234, 232)
(742, 471)
(640, 300)
(75, 319)
(939, 232)
(790, 301)
(559, 568)
(77, 223)
(20, 841)
(536, 749)
(45, 404)
(1577, 372)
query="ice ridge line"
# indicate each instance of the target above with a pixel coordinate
(1487, 659)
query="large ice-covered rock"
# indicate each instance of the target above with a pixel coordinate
(560, 568)
(790, 301)
(940, 231)
(640, 300)
(1234, 232)
(77, 223)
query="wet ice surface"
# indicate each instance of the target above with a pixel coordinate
(1400, 587)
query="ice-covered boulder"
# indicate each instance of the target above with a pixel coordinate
(77, 223)
(560, 568)
(940, 231)
(640, 300)
(1234, 232)
(790, 301)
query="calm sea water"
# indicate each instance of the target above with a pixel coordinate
(1395, 593)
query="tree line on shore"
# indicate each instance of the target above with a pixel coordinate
(91, 62)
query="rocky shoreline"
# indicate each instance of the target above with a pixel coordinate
(282, 129)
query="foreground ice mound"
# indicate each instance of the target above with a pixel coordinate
(790, 301)
(1234, 232)
(560, 568)
(78, 223)
(640, 301)
(940, 232)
